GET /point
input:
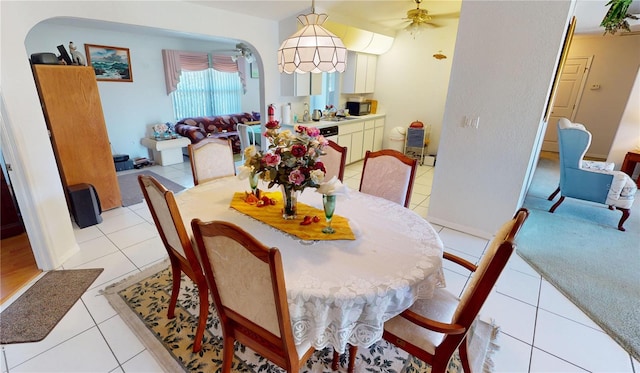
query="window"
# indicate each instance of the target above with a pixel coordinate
(206, 93)
(329, 95)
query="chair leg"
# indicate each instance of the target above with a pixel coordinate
(202, 317)
(553, 195)
(464, 357)
(625, 216)
(336, 360)
(353, 352)
(227, 354)
(555, 206)
(175, 289)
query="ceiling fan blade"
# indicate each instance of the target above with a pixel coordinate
(451, 15)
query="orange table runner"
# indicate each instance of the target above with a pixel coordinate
(272, 215)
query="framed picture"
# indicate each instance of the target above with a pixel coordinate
(111, 64)
(254, 70)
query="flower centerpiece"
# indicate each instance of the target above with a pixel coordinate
(291, 161)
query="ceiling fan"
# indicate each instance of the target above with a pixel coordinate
(421, 19)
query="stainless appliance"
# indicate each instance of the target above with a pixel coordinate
(359, 108)
(330, 133)
(316, 115)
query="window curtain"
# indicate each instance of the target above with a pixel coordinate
(176, 61)
(195, 96)
(228, 65)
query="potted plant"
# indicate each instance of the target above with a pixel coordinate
(616, 17)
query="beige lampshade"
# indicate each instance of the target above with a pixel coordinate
(312, 48)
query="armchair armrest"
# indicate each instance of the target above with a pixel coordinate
(458, 260)
(434, 325)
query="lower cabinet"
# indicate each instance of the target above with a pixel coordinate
(360, 137)
(350, 135)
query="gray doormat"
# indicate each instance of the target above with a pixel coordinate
(35, 313)
(130, 189)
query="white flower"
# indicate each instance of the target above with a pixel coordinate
(160, 128)
(317, 176)
(244, 172)
(333, 187)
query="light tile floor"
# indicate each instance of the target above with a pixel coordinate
(541, 331)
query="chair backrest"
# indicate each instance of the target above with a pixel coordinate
(246, 136)
(247, 284)
(575, 181)
(211, 158)
(488, 270)
(166, 216)
(389, 174)
(334, 160)
(573, 142)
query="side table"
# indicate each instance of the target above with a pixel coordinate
(166, 152)
(629, 164)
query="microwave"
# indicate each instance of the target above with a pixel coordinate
(359, 108)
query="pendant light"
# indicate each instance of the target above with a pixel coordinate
(312, 48)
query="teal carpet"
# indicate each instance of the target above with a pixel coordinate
(579, 250)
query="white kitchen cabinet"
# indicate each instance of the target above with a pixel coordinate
(295, 84)
(378, 134)
(360, 75)
(351, 136)
(369, 136)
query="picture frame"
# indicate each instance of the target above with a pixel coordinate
(111, 64)
(255, 73)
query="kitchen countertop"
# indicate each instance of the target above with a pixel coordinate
(328, 123)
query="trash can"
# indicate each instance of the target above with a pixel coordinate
(396, 139)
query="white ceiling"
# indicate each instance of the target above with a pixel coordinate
(386, 16)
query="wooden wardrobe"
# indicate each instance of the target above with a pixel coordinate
(73, 112)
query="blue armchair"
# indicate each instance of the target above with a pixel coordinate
(586, 181)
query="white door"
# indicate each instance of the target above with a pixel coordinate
(567, 96)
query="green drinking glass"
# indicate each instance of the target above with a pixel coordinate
(329, 204)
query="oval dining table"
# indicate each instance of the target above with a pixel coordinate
(339, 291)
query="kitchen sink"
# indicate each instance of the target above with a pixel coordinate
(339, 119)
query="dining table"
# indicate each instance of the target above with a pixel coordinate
(340, 291)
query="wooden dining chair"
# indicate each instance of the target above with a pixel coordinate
(334, 160)
(182, 256)
(211, 158)
(389, 174)
(432, 329)
(248, 288)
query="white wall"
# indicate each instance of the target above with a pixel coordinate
(412, 85)
(615, 62)
(24, 137)
(131, 108)
(505, 57)
(628, 134)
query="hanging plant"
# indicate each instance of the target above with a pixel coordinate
(616, 17)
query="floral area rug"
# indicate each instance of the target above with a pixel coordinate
(142, 302)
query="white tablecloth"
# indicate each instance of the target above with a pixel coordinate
(339, 291)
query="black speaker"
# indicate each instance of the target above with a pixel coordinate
(84, 204)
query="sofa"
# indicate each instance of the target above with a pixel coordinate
(197, 128)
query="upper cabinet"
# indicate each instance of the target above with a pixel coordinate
(295, 84)
(360, 75)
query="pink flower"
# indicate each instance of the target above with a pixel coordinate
(271, 160)
(313, 131)
(296, 177)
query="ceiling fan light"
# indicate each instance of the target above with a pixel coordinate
(312, 48)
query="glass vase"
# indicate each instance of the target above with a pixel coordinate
(253, 182)
(289, 202)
